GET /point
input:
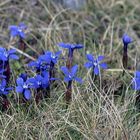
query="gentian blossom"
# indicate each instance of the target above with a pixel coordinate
(23, 87)
(126, 40)
(70, 75)
(39, 81)
(95, 64)
(18, 30)
(5, 55)
(70, 47)
(51, 57)
(39, 65)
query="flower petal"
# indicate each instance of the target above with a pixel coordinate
(58, 53)
(32, 63)
(103, 65)
(27, 94)
(20, 81)
(74, 70)
(13, 30)
(79, 80)
(3, 82)
(65, 70)
(22, 25)
(23, 76)
(13, 56)
(136, 84)
(67, 79)
(19, 89)
(137, 74)
(64, 45)
(22, 34)
(96, 70)
(100, 58)
(76, 46)
(11, 51)
(88, 64)
(90, 57)
(3, 57)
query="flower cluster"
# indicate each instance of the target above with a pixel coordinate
(24, 84)
(44, 67)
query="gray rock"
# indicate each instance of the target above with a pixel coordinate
(72, 4)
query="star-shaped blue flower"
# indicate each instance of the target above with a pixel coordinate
(39, 65)
(5, 55)
(18, 30)
(95, 64)
(51, 57)
(23, 87)
(70, 47)
(70, 75)
(39, 82)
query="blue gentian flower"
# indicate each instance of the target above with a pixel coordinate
(51, 57)
(5, 55)
(136, 81)
(23, 87)
(3, 89)
(71, 47)
(126, 39)
(39, 64)
(95, 64)
(36, 81)
(39, 82)
(18, 30)
(70, 75)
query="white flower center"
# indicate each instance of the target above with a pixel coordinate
(53, 56)
(70, 76)
(39, 83)
(2, 89)
(5, 54)
(25, 86)
(95, 63)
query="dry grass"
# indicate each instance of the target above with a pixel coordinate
(103, 110)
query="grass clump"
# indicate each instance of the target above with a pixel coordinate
(103, 107)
